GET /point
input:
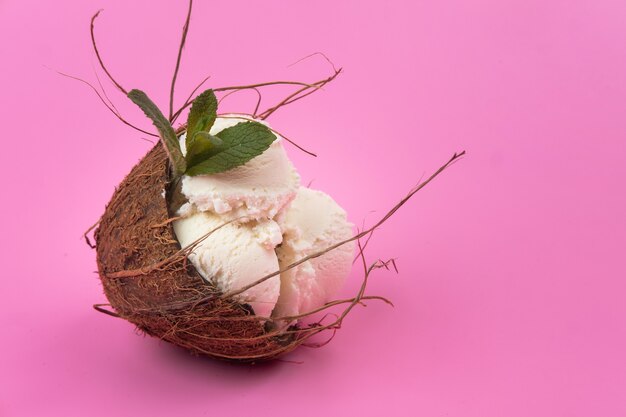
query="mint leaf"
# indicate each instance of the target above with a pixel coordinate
(166, 132)
(201, 116)
(201, 147)
(240, 143)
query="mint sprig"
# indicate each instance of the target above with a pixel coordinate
(240, 143)
(166, 131)
(206, 153)
(201, 116)
(201, 147)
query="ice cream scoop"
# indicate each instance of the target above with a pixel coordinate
(312, 223)
(259, 189)
(231, 256)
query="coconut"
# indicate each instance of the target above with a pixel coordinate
(148, 281)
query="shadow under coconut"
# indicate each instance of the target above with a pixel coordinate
(238, 376)
(135, 354)
(185, 359)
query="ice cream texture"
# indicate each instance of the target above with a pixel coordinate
(313, 222)
(256, 219)
(259, 189)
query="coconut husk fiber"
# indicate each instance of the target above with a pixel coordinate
(148, 281)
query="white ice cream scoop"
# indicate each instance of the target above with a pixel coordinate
(232, 257)
(259, 189)
(313, 222)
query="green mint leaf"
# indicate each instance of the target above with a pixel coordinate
(201, 147)
(166, 131)
(202, 115)
(240, 143)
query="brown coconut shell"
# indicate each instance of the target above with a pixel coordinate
(149, 282)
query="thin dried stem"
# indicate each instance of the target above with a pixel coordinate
(111, 109)
(104, 91)
(356, 258)
(100, 308)
(297, 95)
(180, 53)
(95, 48)
(317, 345)
(258, 102)
(332, 64)
(332, 304)
(244, 87)
(226, 116)
(189, 99)
(357, 300)
(265, 84)
(86, 234)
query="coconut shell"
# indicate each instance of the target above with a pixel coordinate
(149, 282)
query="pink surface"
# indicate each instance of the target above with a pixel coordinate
(510, 298)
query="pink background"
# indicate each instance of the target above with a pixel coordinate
(510, 298)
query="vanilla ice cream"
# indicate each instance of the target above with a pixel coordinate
(259, 189)
(313, 222)
(271, 223)
(231, 257)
